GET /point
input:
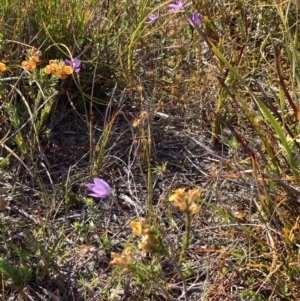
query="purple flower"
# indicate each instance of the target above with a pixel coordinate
(152, 18)
(74, 63)
(99, 189)
(173, 8)
(195, 20)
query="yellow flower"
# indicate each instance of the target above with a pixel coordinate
(139, 228)
(57, 70)
(2, 67)
(179, 199)
(128, 251)
(123, 261)
(184, 200)
(193, 195)
(136, 228)
(32, 59)
(178, 196)
(65, 71)
(29, 66)
(116, 259)
(193, 208)
(182, 205)
(52, 68)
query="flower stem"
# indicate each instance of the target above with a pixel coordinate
(186, 241)
(118, 205)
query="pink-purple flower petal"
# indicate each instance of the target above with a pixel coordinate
(152, 18)
(99, 189)
(178, 5)
(195, 20)
(75, 64)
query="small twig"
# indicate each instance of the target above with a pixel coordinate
(17, 157)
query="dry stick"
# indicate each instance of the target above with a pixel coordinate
(119, 206)
(237, 136)
(17, 157)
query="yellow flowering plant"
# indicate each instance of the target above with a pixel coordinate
(40, 90)
(33, 59)
(150, 241)
(124, 260)
(185, 202)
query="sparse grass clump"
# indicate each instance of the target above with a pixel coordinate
(185, 115)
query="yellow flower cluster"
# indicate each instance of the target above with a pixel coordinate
(33, 59)
(149, 236)
(2, 67)
(149, 242)
(184, 201)
(123, 260)
(59, 70)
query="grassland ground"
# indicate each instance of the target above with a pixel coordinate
(193, 124)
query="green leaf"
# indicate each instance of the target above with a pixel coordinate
(7, 269)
